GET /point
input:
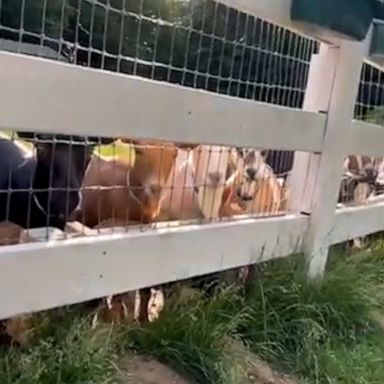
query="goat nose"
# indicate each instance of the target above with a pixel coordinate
(155, 190)
(371, 173)
(251, 173)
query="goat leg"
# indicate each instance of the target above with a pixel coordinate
(145, 296)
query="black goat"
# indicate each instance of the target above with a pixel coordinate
(43, 188)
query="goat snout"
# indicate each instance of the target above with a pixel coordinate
(370, 175)
(155, 190)
(251, 173)
(243, 196)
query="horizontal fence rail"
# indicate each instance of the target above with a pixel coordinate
(93, 102)
(355, 222)
(46, 275)
(40, 95)
(366, 139)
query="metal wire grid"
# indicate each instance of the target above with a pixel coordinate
(363, 175)
(196, 43)
(370, 101)
(151, 182)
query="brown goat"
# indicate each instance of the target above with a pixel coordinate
(113, 190)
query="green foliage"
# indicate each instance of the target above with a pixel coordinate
(376, 116)
(197, 43)
(193, 334)
(307, 329)
(68, 351)
(37, 18)
(323, 333)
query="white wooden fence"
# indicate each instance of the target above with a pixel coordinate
(41, 95)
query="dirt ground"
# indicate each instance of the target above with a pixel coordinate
(142, 370)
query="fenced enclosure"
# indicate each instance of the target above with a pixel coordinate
(200, 137)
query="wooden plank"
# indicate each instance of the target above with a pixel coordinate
(366, 139)
(47, 96)
(350, 223)
(52, 274)
(348, 64)
(317, 96)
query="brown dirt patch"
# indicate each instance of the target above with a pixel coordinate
(254, 369)
(142, 370)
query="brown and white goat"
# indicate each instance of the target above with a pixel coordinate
(361, 180)
(196, 185)
(257, 187)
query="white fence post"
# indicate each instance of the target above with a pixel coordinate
(348, 63)
(317, 97)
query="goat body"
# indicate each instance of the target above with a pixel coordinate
(113, 190)
(17, 203)
(106, 195)
(42, 188)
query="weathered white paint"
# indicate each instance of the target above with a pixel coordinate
(366, 139)
(47, 275)
(317, 97)
(40, 95)
(350, 223)
(95, 102)
(340, 113)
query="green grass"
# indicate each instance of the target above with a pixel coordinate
(193, 335)
(323, 333)
(316, 331)
(68, 351)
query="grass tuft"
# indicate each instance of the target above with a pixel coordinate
(329, 332)
(305, 328)
(192, 335)
(67, 351)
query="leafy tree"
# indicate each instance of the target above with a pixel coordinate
(39, 18)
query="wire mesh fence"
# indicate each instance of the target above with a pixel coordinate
(198, 43)
(363, 175)
(50, 181)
